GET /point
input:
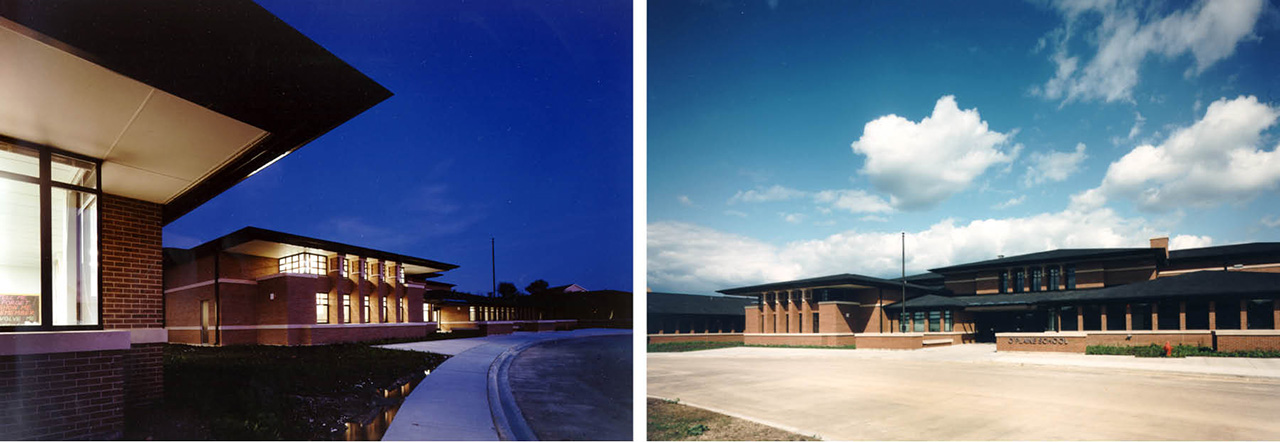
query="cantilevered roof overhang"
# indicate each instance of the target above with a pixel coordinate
(180, 99)
(844, 280)
(1197, 284)
(272, 244)
(1055, 256)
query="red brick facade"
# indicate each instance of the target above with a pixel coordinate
(62, 396)
(132, 264)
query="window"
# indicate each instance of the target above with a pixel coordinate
(426, 312)
(815, 323)
(340, 265)
(1197, 315)
(473, 314)
(1019, 280)
(1055, 277)
(1140, 314)
(372, 270)
(1260, 314)
(1004, 281)
(48, 281)
(305, 263)
(1226, 314)
(404, 310)
(1067, 318)
(786, 322)
(364, 307)
(1169, 315)
(935, 321)
(947, 324)
(383, 303)
(322, 308)
(1071, 276)
(918, 320)
(904, 322)
(400, 273)
(361, 268)
(346, 309)
(1037, 279)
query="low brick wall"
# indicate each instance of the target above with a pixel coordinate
(566, 324)
(1242, 340)
(357, 333)
(800, 339)
(695, 337)
(62, 396)
(891, 341)
(144, 375)
(1070, 342)
(536, 326)
(496, 327)
(1199, 338)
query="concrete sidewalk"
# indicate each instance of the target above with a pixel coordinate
(986, 353)
(452, 403)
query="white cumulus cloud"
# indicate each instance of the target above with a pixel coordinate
(692, 258)
(1124, 34)
(684, 200)
(1053, 166)
(1189, 242)
(921, 164)
(853, 201)
(1215, 160)
(1010, 203)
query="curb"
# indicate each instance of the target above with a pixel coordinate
(508, 420)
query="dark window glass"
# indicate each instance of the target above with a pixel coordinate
(1067, 318)
(1055, 278)
(1141, 314)
(1093, 317)
(1019, 280)
(1037, 280)
(947, 325)
(1197, 315)
(935, 321)
(1071, 276)
(1260, 314)
(1227, 314)
(904, 322)
(1115, 316)
(919, 321)
(815, 323)
(1169, 315)
(1004, 281)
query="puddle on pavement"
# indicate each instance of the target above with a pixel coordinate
(375, 424)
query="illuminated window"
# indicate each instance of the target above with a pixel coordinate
(426, 312)
(383, 302)
(341, 265)
(42, 188)
(346, 309)
(473, 314)
(389, 271)
(322, 308)
(372, 270)
(400, 274)
(364, 300)
(404, 310)
(306, 263)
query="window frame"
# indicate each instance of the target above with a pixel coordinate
(325, 298)
(45, 182)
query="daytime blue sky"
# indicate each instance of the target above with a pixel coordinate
(792, 139)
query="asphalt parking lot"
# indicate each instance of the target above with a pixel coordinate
(961, 394)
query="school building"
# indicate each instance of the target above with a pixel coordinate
(1225, 297)
(116, 118)
(257, 286)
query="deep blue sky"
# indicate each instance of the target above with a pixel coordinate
(510, 119)
(755, 108)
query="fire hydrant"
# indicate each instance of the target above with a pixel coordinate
(1168, 349)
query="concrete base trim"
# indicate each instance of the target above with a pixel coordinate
(305, 326)
(652, 335)
(1145, 332)
(148, 335)
(799, 335)
(45, 342)
(1259, 332)
(1043, 335)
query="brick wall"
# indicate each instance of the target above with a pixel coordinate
(144, 375)
(62, 396)
(132, 264)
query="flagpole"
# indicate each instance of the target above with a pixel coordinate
(903, 315)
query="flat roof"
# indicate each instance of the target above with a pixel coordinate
(227, 58)
(1202, 283)
(272, 244)
(843, 279)
(1055, 255)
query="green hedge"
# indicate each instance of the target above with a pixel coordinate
(667, 347)
(1179, 351)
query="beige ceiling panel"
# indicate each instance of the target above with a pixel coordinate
(119, 179)
(175, 137)
(55, 98)
(275, 250)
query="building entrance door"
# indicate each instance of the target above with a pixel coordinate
(204, 322)
(988, 323)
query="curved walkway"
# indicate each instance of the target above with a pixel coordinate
(576, 389)
(453, 403)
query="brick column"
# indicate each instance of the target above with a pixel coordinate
(1213, 316)
(1275, 313)
(1080, 318)
(1155, 316)
(1102, 320)
(1128, 317)
(1182, 315)
(1244, 315)
(132, 297)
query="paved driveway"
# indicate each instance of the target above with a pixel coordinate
(861, 394)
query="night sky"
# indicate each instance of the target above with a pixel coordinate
(510, 119)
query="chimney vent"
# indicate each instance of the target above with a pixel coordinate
(1161, 243)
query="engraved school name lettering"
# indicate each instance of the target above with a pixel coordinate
(1038, 341)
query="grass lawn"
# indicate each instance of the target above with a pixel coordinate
(668, 347)
(263, 392)
(668, 420)
(1179, 351)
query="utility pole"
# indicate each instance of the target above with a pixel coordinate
(902, 316)
(493, 259)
